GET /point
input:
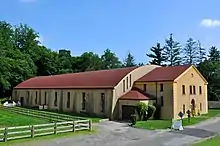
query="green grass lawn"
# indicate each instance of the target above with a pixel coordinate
(13, 119)
(210, 142)
(164, 124)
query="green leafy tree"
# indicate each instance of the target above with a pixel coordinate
(129, 61)
(157, 55)
(214, 54)
(190, 52)
(172, 51)
(110, 60)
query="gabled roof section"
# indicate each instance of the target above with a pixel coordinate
(169, 73)
(137, 94)
(91, 79)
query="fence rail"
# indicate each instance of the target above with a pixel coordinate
(31, 131)
(42, 114)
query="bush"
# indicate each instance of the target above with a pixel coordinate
(142, 109)
(133, 120)
(151, 111)
(157, 113)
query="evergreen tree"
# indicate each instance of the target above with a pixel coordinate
(214, 54)
(172, 51)
(202, 53)
(157, 55)
(129, 61)
(190, 52)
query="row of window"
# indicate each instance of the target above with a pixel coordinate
(184, 108)
(127, 83)
(192, 89)
(68, 100)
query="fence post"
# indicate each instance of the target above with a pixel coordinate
(6, 135)
(32, 131)
(90, 125)
(73, 126)
(55, 128)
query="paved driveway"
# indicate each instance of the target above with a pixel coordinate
(119, 134)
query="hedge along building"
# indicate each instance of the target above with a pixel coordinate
(114, 93)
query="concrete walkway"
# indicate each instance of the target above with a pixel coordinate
(120, 134)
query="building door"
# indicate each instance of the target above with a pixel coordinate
(193, 105)
(22, 101)
(127, 111)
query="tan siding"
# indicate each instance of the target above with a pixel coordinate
(187, 79)
(153, 88)
(118, 92)
(93, 103)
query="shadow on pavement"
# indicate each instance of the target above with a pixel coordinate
(200, 133)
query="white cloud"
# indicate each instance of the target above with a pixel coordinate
(27, 1)
(210, 23)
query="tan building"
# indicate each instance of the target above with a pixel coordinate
(114, 93)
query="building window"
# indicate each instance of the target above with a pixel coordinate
(161, 87)
(184, 109)
(194, 89)
(83, 101)
(130, 80)
(161, 100)
(28, 95)
(45, 98)
(200, 89)
(127, 82)
(123, 85)
(183, 89)
(68, 100)
(55, 100)
(103, 102)
(36, 98)
(200, 107)
(145, 87)
(190, 89)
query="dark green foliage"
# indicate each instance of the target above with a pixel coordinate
(157, 55)
(133, 119)
(150, 112)
(157, 113)
(141, 109)
(172, 51)
(129, 61)
(214, 54)
(190, 52)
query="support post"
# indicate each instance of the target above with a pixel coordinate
(90, 125)
(55, 128)
(6, 135)
(73, 126)
(32, 131)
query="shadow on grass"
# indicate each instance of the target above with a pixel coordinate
(200, 133)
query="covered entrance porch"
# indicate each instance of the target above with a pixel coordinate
(128, 102)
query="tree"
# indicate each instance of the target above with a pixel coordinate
(202, 53)
(190, 52)
(214, 54)
(211, 71)
(172, 51)
(157, 55)
(129, 61)
(109, 60)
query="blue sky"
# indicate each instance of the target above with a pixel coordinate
(121, 25)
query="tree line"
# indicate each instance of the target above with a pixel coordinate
(22, 56)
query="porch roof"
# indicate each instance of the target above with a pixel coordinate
(136, 94)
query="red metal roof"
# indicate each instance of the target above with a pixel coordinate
(169, 73)
(134, 95)
(91, 79)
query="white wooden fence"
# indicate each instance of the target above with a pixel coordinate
(31, 131)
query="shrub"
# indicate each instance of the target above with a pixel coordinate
(157, 113)
(151, 111)
(142, 109)
(133, 120)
